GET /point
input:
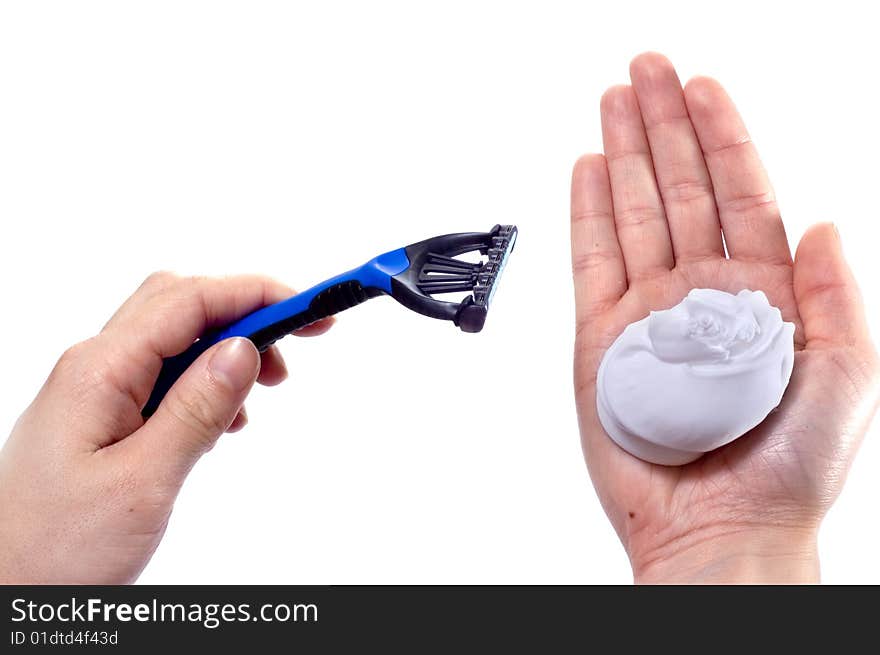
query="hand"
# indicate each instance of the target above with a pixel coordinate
(86, 486)
(647, 222)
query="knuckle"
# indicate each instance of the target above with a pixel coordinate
(165, 295)
(158, 281)
(74, 354)
(637, 217)
(77, 360)
(197, 414)
(686, 190)
(193, 281)
(589, 216)
(753, 208)
(81, 371)
(589, 322)
(593, 260)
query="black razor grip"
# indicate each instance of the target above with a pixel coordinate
(264, 327)
(330, 301)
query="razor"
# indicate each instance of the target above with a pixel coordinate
(412, 275)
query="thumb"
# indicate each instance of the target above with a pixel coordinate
(200, 406)
(828, 298)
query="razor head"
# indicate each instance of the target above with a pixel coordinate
(435, 270)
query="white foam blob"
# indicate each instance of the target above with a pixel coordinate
(689, 379)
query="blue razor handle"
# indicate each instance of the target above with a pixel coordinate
(410, 275)
(265, 326)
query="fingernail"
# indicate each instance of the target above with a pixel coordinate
(235, 363)
(836, 231)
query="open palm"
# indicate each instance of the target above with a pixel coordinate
(679, 170)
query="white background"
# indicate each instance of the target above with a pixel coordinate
(300, 139)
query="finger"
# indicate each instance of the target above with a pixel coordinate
(205, 301)
(210, 301)
(239, 422)
(596, 258)
(638, 210)
(747, 208)
(153, 284)
(273, 370)
(827, 295)
(200, 407)
(682, 176)
(316, 329)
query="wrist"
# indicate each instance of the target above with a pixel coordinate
(740, 555)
